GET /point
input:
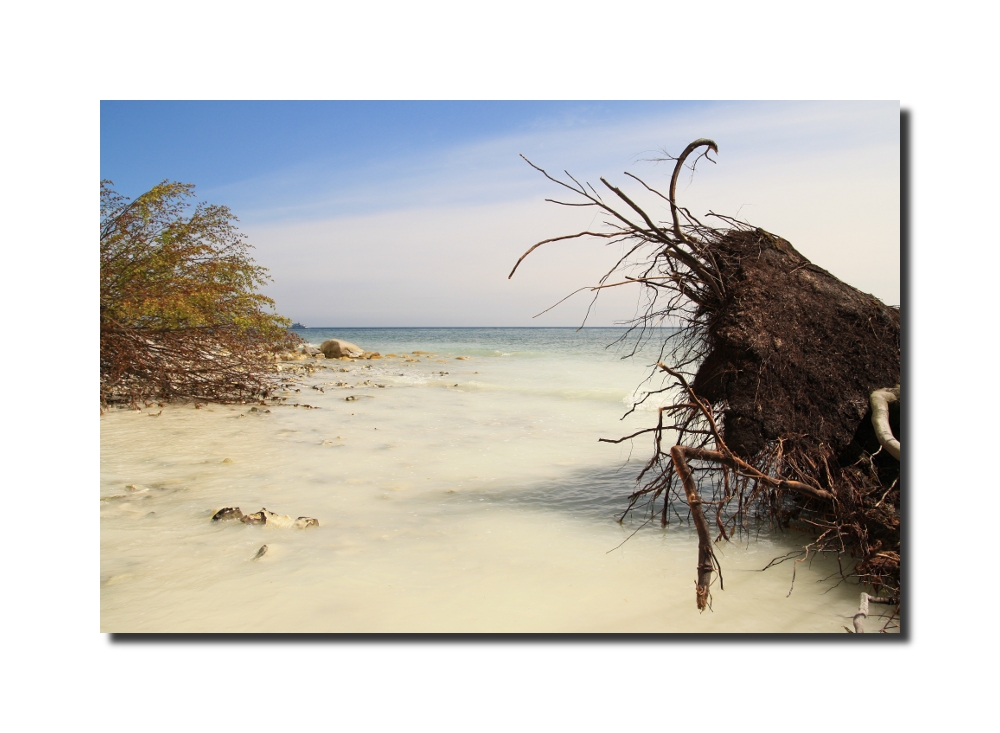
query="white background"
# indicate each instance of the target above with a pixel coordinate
(60, 60)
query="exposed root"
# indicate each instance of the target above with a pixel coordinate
(772, 368)
(880, 400)
(862, 614)
(706, 557)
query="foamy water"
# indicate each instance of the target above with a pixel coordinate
(459, 496)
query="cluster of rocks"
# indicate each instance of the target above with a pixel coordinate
(329, 349)
(263, 517)
(346, 351)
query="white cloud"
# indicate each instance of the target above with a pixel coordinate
(430, 240)
(429, 267)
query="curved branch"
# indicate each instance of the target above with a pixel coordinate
(710, 144)
(879, 401)
(556, 239)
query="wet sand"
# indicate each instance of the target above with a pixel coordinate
(473, 501)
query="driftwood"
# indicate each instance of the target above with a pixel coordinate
(880, 400)
(862, 614)
(772, 373)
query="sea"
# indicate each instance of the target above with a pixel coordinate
(460, 487)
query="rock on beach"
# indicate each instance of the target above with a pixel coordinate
(264, 517)
(336, 348)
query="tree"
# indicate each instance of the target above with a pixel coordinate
(780, 378)
(181, 315)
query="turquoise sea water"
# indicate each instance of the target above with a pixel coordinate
(608, 344)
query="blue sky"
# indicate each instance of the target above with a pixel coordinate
(262, 158)
(412, 213)
(218, 143)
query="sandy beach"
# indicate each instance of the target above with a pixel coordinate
(457, 490)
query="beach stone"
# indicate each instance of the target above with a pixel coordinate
(257, 518)
(336, 348)
(462, 358)
(282, 521)
(227, 513)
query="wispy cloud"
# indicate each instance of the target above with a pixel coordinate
(490, 170)
(429, 238)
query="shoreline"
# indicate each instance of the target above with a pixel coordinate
(461, 502)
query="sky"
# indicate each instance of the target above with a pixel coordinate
(413, 213)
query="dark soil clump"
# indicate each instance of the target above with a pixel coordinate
(794, 353)
(773, 373)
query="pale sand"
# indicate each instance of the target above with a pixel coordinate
(412, 485)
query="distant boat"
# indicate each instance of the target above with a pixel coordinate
(297, 325)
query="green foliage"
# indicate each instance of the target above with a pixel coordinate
(181, 315)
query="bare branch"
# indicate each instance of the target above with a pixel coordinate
(603, 235)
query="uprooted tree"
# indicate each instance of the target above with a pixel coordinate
(180, 313)
(782, 384)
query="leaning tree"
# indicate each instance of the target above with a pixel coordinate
(781, 383)
(181, 315)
